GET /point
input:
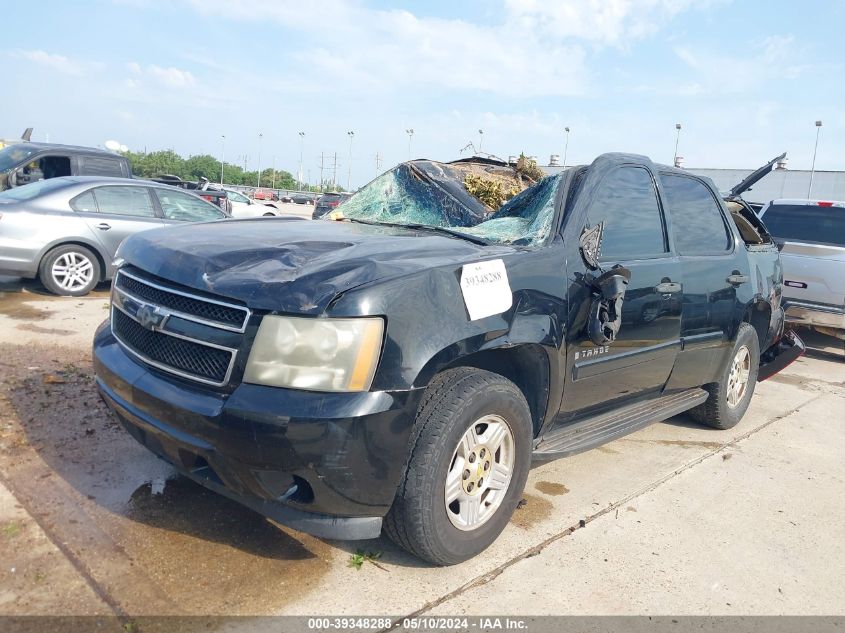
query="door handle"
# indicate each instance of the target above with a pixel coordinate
(736, 279)
(103, 226)
(667, 287)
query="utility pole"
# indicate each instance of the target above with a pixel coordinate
(301, 146)
(322, 157)
(677, 139)
(349, 174)
(273, 186)
(260, 136)
(222, 157)
(566, 146)
(334, 173)
(410, 133)
(815, 149)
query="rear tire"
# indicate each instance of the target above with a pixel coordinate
(730, 397)
(69, 271)
(472, 422)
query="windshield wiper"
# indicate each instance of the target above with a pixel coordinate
(424, 227)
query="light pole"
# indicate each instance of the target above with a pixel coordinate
(566, 146)
(222, 156)
(410, 133)
(815, 149)
(677, 139)
(301, 146)
(480, 140)
(260, 136)
(349, 174)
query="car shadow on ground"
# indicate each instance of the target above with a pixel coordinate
(64, 421)
(10, 286)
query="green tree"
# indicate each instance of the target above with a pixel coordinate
(203, 166)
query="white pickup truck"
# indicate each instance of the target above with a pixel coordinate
(811, 234)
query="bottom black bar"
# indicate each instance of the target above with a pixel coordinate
(457, 623)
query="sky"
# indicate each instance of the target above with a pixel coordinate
(746, 79)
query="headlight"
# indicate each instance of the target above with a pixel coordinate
(315, 354)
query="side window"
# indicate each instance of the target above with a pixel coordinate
(55, 166)
(84, 202)
(697, 222)
(120, 200)
(627, 204)
(100, 166)
(185, 207)
(806, 223)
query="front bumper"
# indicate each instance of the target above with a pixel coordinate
(324, 463)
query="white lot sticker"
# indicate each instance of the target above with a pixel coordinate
(486, 289)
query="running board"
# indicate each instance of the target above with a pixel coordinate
(602, 428)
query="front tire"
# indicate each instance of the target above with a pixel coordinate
(467, 468)
(730, 397)
(69, 271)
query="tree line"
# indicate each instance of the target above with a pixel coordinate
(152, 164)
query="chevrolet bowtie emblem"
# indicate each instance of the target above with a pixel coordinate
(151, 317)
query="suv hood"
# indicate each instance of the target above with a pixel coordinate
(288, 264)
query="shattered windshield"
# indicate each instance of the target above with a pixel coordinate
(434, 194)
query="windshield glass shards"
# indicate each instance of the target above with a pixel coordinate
(434, 194)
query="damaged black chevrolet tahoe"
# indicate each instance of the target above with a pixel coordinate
(398, 366)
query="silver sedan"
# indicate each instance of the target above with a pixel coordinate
(65, 231)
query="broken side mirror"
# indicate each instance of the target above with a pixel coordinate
(606, 308)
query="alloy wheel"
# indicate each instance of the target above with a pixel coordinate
(738, 376)
(480, 473)
(72, 271)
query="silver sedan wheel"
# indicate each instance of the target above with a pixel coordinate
(738, 377)
(72, 271)
(480, 473)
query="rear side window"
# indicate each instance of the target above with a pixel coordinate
(697, 222)
(84, 202)
(627, 204)
(124, 201)
(100, 166)
(806, 223)
(185, 207)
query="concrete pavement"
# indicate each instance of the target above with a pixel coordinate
(674, 519)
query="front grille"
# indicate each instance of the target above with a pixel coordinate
(215, 312)
(193, 360)
(188, 335)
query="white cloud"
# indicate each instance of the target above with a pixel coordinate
(537, 49)
(172, 76)
(609, 22)
(59, 63)
(774, 57)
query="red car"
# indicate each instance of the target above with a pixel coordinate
(264, 194)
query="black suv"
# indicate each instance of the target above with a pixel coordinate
(399, 366)
(328, 202)
(25, 162)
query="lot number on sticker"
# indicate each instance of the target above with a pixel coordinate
(486, 289)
